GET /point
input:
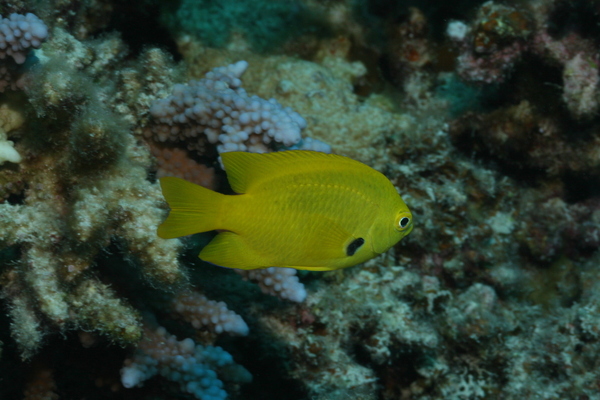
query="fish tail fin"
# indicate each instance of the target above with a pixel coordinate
(193, 208)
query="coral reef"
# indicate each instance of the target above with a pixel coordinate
(218, 108)
(281, 282)
(181, 361)
(20, 33)
(81, 188)
(483, 115)
(492, 43)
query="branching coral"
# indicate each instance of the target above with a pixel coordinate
(219, 108)
(87, 189)
(191, 365)
(321, 93)
(56, 254)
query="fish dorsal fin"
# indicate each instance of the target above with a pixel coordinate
(246, 170)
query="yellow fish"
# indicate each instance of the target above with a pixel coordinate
(296, 209)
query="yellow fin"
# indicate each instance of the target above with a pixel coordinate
(329, 245)
(229, 250)
(193, 208)
(328, 240)
(314, 268)
(245, 170)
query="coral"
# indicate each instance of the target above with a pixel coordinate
(220, 109)
(56, 276)
(176, 162)
(522, 137)
(280, 282)
(490, 133)
(322, 93)
(500, 35)
(84, 191)
(192, 366)
(492, 43)
(371, 322)
(410, 51)
(19, 33)
(11, 77)
(8, 152)
(473, 314)
(92, 153)
(579, 61)
(202, 312)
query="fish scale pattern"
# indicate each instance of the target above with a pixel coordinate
(221, 110)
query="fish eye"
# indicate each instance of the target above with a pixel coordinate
(403, 221)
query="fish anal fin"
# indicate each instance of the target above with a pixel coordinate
(327, 242)
(230, 250)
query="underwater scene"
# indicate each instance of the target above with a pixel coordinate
(299, 199)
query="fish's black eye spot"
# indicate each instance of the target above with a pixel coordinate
(355, 245)
(404, 222)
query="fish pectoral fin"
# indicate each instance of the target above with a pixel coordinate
(329, 240)
(230, 250)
